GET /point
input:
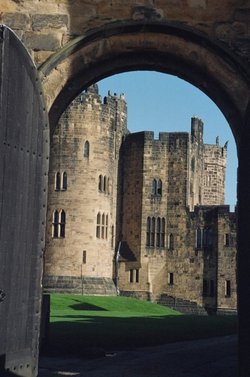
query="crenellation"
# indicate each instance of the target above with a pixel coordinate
(166, 227)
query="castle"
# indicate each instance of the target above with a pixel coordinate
(137, 216)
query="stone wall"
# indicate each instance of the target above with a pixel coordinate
(89, 198)
(215, 158)
(182, 267)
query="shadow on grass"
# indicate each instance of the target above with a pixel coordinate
(86, 306)
(109, 333)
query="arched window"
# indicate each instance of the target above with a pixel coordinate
(148, 231)
(152, 235)
(171, 241)
(98, 225)
(162, 241)
(105, 184)
(62, 223)
(57, 181)
(55, 224)
(158, 231)
(103, 225)
(100, 183)
(86, 149)
(108, 186)
(154, 187)
(64, 181)
(159, 187)
(106, 227)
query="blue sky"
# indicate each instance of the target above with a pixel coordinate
(159, 102)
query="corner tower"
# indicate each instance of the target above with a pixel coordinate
(81, 225)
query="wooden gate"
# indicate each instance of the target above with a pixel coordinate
(24, 158)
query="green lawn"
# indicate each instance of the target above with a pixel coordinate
(80, 322)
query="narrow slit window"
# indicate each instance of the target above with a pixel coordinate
(158, 232)
(86, 149)
(58, 181)
(55, 224)
(228, 288)
(106, 227)
(154, 187)
(162, 241)
(148, 231)
(100, 183)
(171, 241)
(64, 181)
(159, 187)
(131, 276)
(62, 223)
(98, 225)
(171, 278)
(103, 225)
(152, 236)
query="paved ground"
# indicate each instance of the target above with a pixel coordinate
(216, 357)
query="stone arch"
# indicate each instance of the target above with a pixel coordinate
(161, 47)
(207, 64)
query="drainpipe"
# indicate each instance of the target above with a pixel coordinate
(117, 268)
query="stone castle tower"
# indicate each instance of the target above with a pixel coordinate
(145, 214)
(177, 238)
(83, 194)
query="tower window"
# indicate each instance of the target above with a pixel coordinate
(98, 225)
(55, 224)
(64, 181)
(61, 181)
(62, 223)
(162, 234)
(102, 226)
(59, 221)
(156, 187)
(131, 276)
(57, 181)
(159, 187)
(227, 288)
(137, 276)
(171, 241)
(100, 180)
(86, 149)
(134, 276)
(226, 239)
(171, 278)
(84, 257)
(103, 184)
(158, 231)
(152, 233)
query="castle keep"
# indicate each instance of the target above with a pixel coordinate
(142, 217)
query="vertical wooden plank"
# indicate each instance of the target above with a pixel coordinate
(24, 152)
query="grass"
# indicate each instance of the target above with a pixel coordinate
(80, 322)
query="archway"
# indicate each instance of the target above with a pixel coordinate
(182, 52)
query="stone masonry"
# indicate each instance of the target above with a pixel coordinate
(143, 217)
